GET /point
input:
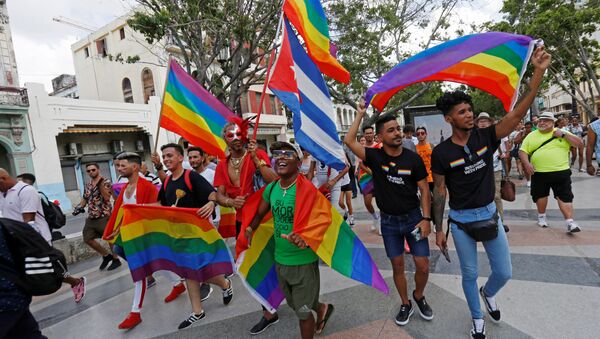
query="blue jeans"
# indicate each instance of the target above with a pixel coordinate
(496, 250)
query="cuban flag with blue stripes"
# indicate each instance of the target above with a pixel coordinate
(299, 84)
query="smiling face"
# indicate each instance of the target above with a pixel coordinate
(286, 162)
(391, 134)
(369, 135)
(461, 116)
(196, 159)
(172, 158)
(233, 138)
(545, 125)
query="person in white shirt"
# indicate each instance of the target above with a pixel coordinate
(325, 175)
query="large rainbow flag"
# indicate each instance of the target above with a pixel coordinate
(227, 222)
(323, 229)
(493, 62)
(194, 113)
(309, 19)
(175, 239)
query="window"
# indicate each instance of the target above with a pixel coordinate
(147, 84)
(244, 103)
(257, 99)
(127, 92)
(101, 47)
(69, 178)
(272, 103)
(86, 52)
(122, 33)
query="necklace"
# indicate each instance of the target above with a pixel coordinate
(237, 163)
(286, 188)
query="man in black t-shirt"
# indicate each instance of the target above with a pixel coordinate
(186, 188)
(398, 174)
(463, 164)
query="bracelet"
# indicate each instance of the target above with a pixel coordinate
(427, 218)
(159, 167)
(227, 202)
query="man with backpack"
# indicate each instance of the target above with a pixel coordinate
(52, 212)
(21, 202)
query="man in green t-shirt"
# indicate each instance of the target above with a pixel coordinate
(545, 156)
(297, 265)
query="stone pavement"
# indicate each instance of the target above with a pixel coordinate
(554, 293)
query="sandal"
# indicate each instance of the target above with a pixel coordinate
(321, 324)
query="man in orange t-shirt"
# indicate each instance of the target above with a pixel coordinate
(424, 149)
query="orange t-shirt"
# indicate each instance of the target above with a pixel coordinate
(424, 152)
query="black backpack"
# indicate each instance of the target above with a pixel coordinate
(52, 213)
(41, 267)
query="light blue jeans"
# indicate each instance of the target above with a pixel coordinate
(466, 248)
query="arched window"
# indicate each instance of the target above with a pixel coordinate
(127, 92)
(147, 84)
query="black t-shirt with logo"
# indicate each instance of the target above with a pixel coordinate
(470, 179)
(395, 179)
(196, 199)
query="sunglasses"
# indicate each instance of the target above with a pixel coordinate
(470, 155)
(421, 133)
(91, 170)
(284, 154)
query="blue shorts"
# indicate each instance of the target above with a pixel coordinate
(396, 228)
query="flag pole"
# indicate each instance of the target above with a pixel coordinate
(162, 101)
(267, 76)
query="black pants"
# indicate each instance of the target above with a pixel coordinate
(19, 324)
(352, 181)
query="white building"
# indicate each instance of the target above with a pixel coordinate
(103, 74)
(9, 76)
(65, 86)
(69, 133)
(557, 101)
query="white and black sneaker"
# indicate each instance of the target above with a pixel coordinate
(542, 222)
(404, 314)
(205, 291)
(228, 293)
(572, 227)
(478, 332)
(424, 309)
(192, 319)
(491, 306)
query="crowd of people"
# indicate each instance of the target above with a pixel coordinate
(408, 177)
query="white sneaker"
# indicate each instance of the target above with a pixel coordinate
(542, 222)
(529, 184)
(374, 225)
(351, 220)
(572, 227)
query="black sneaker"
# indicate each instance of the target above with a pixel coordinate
(475, 334)
(404, 315)
(205, 291)
(193, 318)
(105, 260)
(228, 293)
(424, 308)
(114, 264)
(263, 324)
(494, 314)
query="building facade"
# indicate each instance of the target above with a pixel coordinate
(9, 76)
(15, 147)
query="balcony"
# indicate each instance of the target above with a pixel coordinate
(14, 96)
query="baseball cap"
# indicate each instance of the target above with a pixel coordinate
(281, 144)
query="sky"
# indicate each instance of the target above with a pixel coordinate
(43, 46)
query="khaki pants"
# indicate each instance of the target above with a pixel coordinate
(498, 196)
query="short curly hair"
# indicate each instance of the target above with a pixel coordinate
(448, 100)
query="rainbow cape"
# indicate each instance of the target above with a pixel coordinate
(309, 19)
(493, 62)
(323, 229)
(194, 113)
(175, 239)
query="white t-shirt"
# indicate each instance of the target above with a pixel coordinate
(23, 198)
(321, 177)
(209, 175)
(130, 200)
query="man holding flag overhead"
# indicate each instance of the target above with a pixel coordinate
(463, 164)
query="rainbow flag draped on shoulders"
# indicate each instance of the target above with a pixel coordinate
(493, 62)
(309, 19)
(323, 229)
(194, 113)
(175, 239)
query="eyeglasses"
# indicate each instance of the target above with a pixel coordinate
(283, 154)
(469, 154)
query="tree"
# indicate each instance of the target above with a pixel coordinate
(566, 28)
(372, 36)
(225, 44)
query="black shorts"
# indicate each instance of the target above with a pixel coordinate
(559, 182)
(346, 188)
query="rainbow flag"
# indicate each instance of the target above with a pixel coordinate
(227, 222)
(365, 181)
(493, 62)
(256, 264)
(323, 229)
(175, 239)
(309, 19)
(194, 113)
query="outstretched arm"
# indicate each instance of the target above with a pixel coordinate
(541, 61)
(350, 138)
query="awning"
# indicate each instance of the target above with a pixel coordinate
(102, 129)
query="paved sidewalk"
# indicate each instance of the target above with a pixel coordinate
(554, 293)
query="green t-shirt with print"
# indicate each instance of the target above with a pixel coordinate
(283, 219)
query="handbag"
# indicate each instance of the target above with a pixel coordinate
(507, 189)
(482, 230)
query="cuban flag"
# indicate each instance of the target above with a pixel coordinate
(299, 84)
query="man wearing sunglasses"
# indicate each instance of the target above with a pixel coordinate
(235, 181)
(463, 164)
(97, 196)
